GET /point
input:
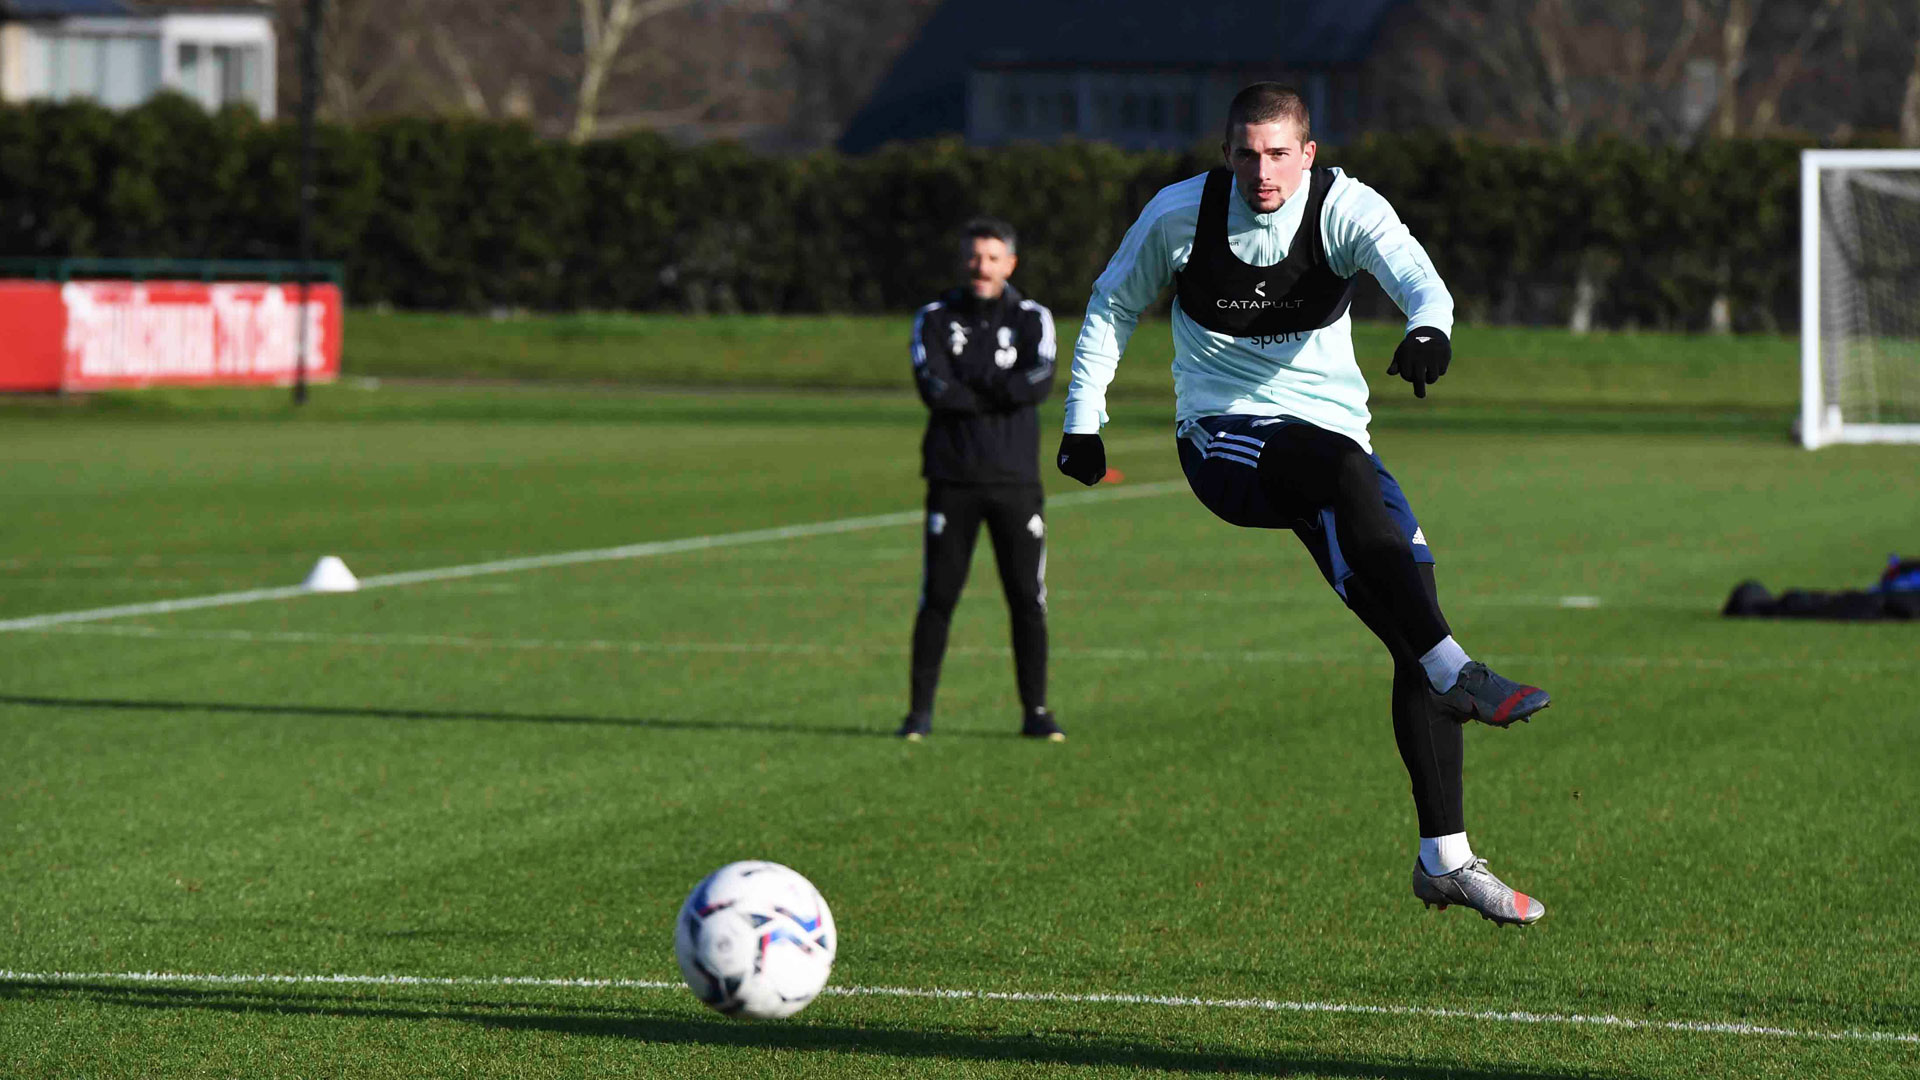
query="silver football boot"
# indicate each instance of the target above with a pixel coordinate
(1474, 886)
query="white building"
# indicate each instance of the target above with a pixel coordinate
(122, 52)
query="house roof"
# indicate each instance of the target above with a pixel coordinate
(168, 7)
(54, 9)
(926, 88)
(1220, 33)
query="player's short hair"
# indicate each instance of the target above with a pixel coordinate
(1265, 102)
(990, 228)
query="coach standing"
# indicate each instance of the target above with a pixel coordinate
(982, 359)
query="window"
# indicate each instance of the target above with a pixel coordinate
(219, 75)
(1125, 107)
(119, 71)
(190, 68)
(1016, 111)
(239, 68)
(75, 71)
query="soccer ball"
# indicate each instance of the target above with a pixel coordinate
(755, 939)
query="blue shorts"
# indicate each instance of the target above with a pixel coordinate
(1221, 459)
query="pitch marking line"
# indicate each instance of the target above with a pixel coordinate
(543, 562)
(775, 648)
(1704, 1027)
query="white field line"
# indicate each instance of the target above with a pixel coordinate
(1122, 595)
(1702, 1027)
(101, 562)
(905, 554)
(777, 648)
(543, 562)
(70, 580)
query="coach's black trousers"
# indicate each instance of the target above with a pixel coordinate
(1015, 518)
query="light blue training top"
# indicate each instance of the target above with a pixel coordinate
(1312, 376)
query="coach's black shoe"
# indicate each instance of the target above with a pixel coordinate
(1484, 695)
(1038, 724)
(915, 727)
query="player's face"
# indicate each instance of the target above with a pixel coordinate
(1269, 161)
(988, 265)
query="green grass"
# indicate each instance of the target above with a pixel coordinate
(1505, 365)
(522, 774)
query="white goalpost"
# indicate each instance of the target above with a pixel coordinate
(1859, 296)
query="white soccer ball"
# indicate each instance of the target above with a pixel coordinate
(755, 939)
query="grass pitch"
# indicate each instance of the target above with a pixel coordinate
(1504, 365)
(520, 775)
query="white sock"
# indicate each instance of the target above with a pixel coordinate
(1443, 663)
(1445, 854)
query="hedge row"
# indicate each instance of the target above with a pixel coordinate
(462, 214)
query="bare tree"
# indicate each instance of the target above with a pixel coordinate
(606, 25)
(1863, 74)
(367, 48)
(1668, 70)
(1789, 64)
(382, 57)
(1513, 46)
(783, 73)
(1547, 69)
(566, 65)
(1736, 26)
(1910, 101)
(836, 51)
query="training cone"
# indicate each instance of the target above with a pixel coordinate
(331, 575)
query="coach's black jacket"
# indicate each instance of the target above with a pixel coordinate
(981, 366)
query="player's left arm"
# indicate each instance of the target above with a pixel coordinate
(1030, 379)
(1363, 233)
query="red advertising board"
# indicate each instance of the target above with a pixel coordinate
(111, 335)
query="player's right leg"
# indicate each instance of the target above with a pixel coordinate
(1432, 746)
(951, 525)
(1222, 458)
(1308, 469)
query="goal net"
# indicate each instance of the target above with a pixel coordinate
(1859, 296)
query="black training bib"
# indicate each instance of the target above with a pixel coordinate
(1297, 294)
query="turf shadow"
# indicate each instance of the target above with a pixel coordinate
(1074, 1048)
(308, 997)
(383, 712)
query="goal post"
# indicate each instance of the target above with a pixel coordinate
(1859, 297)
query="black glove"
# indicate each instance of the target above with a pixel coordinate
(1083, 457)
(1422, 358)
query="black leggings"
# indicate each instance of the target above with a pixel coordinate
(1432, 745)
(1015, 519)
(1303, 469)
